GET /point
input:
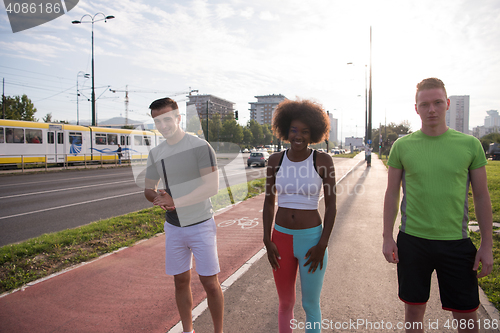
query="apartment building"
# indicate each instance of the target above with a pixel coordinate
(491, 125)
(457, 116)
(262, 111)
(203, 105)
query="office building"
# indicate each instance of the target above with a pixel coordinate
(203, 105)
(491, 125)
(262, 111)
(334, 129)
(457, 116)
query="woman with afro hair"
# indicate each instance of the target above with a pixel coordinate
(299, 239)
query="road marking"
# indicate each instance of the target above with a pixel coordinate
(200, 308)
(64, 189)
(60, 180)
(74, 204)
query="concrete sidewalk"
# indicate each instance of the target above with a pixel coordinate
(360, 287)
(128, 291)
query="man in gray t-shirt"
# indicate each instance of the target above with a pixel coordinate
(187, 167)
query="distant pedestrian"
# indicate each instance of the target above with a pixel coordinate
(187, 166)
(435, 166)
(299, 239)
(119, 152)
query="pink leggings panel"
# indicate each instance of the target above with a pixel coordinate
(292, 249)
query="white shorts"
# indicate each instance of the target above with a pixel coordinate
(182, 242)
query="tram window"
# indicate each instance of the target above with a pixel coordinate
(2, 140)
(60, 138)
(122, 140)
(128, 140)
(50, 137)
(14, 135)
(100, 139)
(112, 139)
(34, 136)
(147, 141)
(75, 138)
(137, 140)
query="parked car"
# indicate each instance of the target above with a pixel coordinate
(259, 158)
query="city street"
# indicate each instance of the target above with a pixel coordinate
(43, 202)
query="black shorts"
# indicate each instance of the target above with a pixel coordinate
(453, 261)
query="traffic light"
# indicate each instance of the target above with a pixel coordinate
(236, 114)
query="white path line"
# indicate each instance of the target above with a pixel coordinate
(61, 180)
(198, 310)
(73, 204)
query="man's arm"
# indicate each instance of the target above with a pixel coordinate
(208, 188)
(482, 208)
(157, 197)
(391, 204)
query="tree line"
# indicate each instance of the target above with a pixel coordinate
(22, 108)
(227, 129)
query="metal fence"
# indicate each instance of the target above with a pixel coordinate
(34, 162)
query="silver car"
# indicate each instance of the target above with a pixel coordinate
(259, 158)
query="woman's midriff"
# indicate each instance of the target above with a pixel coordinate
(297, 218)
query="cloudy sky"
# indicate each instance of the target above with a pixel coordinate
(238, 49)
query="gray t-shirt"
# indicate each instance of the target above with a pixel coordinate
(178, 166)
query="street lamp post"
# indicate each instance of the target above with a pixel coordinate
(366, 103)
(207, 121)
(92, 20)
(85, 75)
(369, 119)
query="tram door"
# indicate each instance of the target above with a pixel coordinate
(55, 144)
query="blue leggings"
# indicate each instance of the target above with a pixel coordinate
(293, 245)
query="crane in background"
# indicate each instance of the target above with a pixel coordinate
(126, 91)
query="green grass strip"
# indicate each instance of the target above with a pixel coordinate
(491, 283)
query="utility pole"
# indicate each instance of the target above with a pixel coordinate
(369, 126)
(207, 121)
(3, 98)
(126, 105)
(327, 139)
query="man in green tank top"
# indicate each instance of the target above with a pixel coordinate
(434, 166)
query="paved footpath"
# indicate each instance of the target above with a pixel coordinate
(128, 291)
(360, 288)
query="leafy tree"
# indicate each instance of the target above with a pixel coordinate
(489, 139)
(268, 135)
(247, 137)
(390, 133)
(19, 108)
(215, 126)
(257, 133)
(231, 131)
(193, 124)
(47, 118)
